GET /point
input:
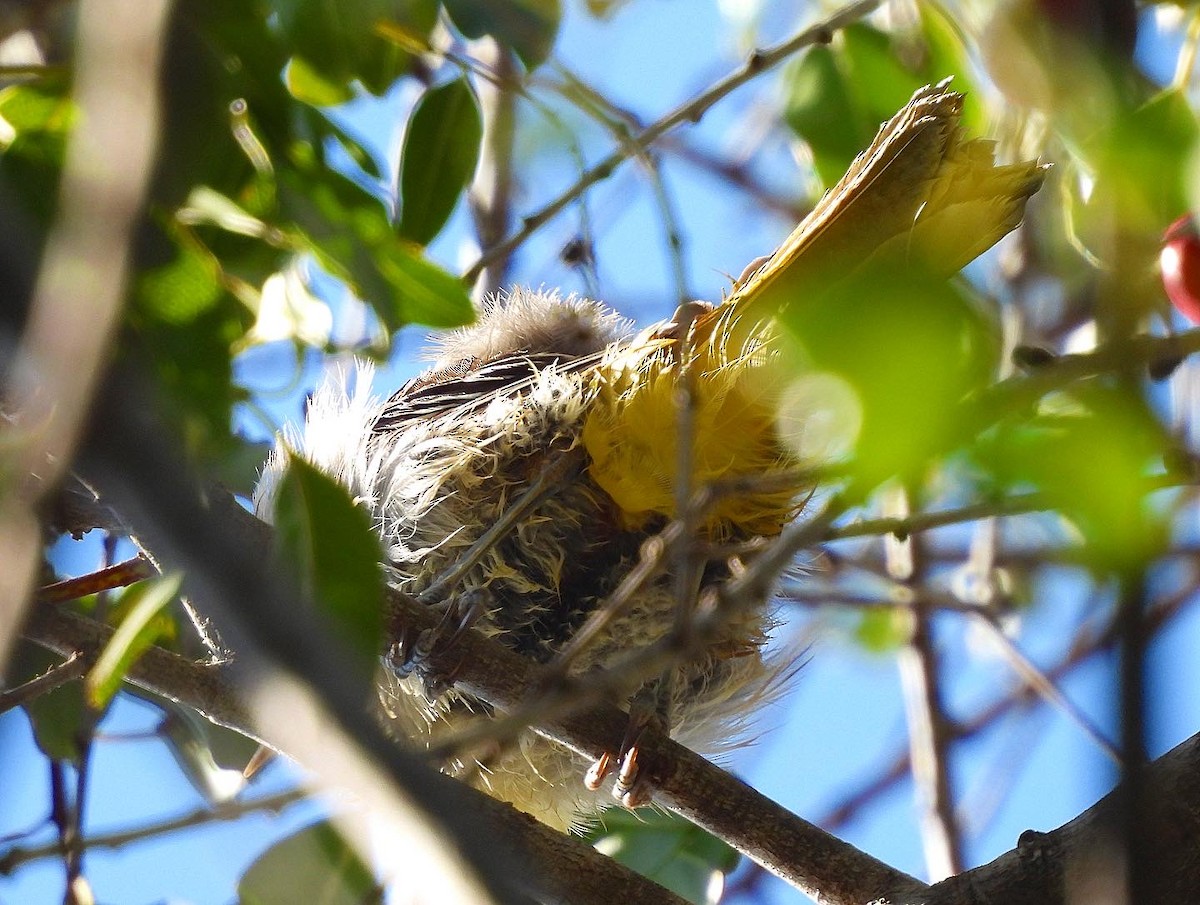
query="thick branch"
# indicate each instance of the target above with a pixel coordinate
(1082, 862)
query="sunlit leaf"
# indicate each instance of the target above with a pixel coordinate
(338, 43)
(839, 94)
(308, 84)
(215, 775)
(183, 288)
(348, 232)
(911, 349)
(1091, 452)
(41, 105)
(884, 629)
(140, 628)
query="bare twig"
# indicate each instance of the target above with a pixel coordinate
(115, 576)
(693, 110)
(224, 811)
(929, 731)
(898, 765)
(70, 670)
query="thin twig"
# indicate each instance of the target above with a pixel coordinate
(1035, 679)
(758, 62)
(116, 576)
(929, 730)
(221, 812)
(71, 669)
(898, 765)
(1016, 504)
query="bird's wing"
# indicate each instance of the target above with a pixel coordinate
(470, 385)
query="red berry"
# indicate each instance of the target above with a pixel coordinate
(1179, 262)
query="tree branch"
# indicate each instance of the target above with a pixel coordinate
(1082, 861)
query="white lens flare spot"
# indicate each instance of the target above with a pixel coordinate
(820, 417)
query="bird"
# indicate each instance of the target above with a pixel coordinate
(527, 467)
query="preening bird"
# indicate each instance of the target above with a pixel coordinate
(552, 423)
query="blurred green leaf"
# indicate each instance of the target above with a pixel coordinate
(912, 349)
(239, 470)
(182, 326)
(348, 232)
(1091, 453)
(57, 716)
(141, 626)
(338, 42)
(822, 112)
(884, 629)
(1140, 162)
(837, 95)
(948, 56)
(183, 288)
(335, 555)
(306, 83)
(529, 27)
(210, 756)
(315, 866)
(40, 105)
(667, 849)
(441, 148)
(37, 116)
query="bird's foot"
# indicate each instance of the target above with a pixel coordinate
(632, 787)
(417, 653)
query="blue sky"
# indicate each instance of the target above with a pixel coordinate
(845, 713)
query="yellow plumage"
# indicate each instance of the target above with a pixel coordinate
(920, 198)
(452, 453)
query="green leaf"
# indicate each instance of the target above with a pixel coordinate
(210, 756)
(820, 110)
(183, 325)
(1141, 162)
(910, 348)
(667, 849)
(183, 288)
(57, 716)
(884, 629)
(140, 628)
(329, 542)
(239, 469)
(348, 232)
(42, 105)
(441, 148)
(1091, 454)
(338, 42)
(529, 27)
(947, 55)
(837, 95)
(315, 866)
(306, 83)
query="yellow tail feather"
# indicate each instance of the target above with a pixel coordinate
(920, 197)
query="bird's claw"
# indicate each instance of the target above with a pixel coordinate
(414, 652)
(631, 788)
